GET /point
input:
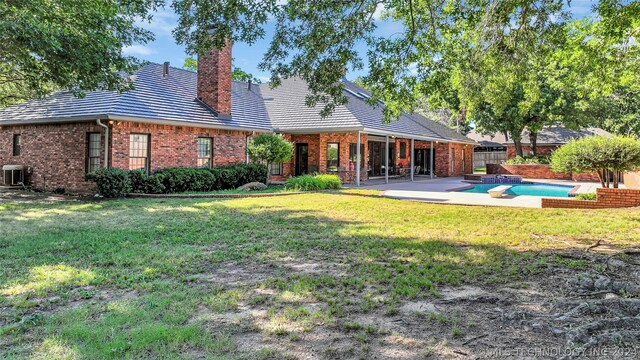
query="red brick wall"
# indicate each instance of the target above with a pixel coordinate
(214, 79)
(606, 198)
(176, 146)
(527, 171)
(538, 172)
(56, 153)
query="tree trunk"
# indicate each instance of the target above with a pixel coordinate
(615, 179)
(518, 145)
(600, 172)
(268, 174)
(608, 178)
(533, 140)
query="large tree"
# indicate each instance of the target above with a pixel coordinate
(438, 41)
(70, 44)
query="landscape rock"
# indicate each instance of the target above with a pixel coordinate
(252, 186)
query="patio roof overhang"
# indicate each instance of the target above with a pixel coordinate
(412, 136)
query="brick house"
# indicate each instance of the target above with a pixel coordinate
(174, 117)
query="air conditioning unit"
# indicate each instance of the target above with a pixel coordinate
(13, 175)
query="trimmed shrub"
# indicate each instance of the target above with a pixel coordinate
(586, 196)
(138, 179)
(305, 183)
(176, 180)
(115, 182)
(529, 160)
(154, 184)
(111, 182)
(598, 154)
(331, 181)
(313, 182)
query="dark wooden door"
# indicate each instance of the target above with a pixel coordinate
(302, 159)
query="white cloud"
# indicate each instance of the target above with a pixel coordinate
(162, 23)
(138, 50)
(380, 10)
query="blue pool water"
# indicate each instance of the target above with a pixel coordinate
(526, 189)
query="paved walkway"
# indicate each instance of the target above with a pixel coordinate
(439, 191)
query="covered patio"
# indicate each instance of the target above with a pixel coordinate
(371, 155)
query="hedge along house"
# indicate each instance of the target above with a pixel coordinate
(178, 118)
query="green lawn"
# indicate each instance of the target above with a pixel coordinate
(250, 278)
(270, 189)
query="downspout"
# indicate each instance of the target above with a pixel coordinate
(106, 142)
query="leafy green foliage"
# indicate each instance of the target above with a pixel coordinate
(528, 160)
(598, 154)
(270, 149)
(177, 180)
(331, 181)
(237, 74)
(586, 196)
(114, 182)
(313, 182)
(111, 182)
(68, 44)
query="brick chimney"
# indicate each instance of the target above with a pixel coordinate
(214, 79)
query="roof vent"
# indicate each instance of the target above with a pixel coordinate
(249, 85)
(165, 69)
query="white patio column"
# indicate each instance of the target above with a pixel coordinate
(358, 161)
(412, 161)
(386, 160)
(431, 159)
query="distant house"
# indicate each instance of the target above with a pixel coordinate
(494, 149)
(179, 118)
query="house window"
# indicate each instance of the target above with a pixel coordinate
(403, 150)
(275, 169)
(17, 144)
(333, 156)
(93, 152)
(205, 151)
(139, 152)
(352, 151)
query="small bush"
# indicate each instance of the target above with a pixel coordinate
(587, 196)
(154, 184)
(138, 179)
(111, 182)
(331, 181)
(305, 183)
(313, 182)
(529, 160)
(176, 180)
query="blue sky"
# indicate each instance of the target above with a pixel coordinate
(164, 48)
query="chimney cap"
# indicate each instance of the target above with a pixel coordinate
(165, 69)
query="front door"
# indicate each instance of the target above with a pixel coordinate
(302, 159)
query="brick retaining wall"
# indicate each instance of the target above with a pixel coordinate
(607, 198)
(537, 172)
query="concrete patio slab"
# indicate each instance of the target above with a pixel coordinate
(440, 191)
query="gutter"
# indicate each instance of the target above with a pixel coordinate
(106, 142)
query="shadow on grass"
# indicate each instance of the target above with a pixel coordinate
(173, 253)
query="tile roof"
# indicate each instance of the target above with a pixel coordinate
(550, 135)
(172, 99)
(288, 112)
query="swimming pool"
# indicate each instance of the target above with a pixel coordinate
(526, 189)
